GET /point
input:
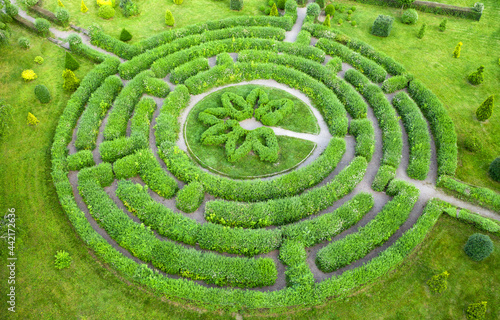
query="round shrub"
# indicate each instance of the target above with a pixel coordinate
(353, 8)
(270, 3)
(291, 6)
(62, 15)
(353, 23)
(473, 143)
(410, 16)
(3, 26)
(238, 5)
(476, 311)
(63, 260)
(24, 42)
(340, 21)
(330, 9)
(348, 17)
(42, 26)
(178, 1)
(494, 170)
(11, 10)
(71, 82)
(321, 3)
(42, 93)
(74, 39)
(106, 12)
(281, 4)
(38, 60)
(313, 9)
(349, 11)
(262, 8)
(28, 75)
(190, 197)
(267, 11)
(478, 247)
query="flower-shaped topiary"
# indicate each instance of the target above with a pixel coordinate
(225, 128)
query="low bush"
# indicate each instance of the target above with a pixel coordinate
(102, 174)
(238, 5)
(106, 12)
(410, 16)
(383, 177)
(477, 77)
(190, 197)
(478, 221)
(335, 64)
(485, 110)
(313, 10)
(303, 38)
(42, 93)
(38, 60)
(421, 32)
(223, 59)
(11, 10)
(24, 42)
(125, 35)
(479, 247)
(28, 75)
(494, 169)
(167, 127)
(76, 46)
(80, 160)
(458, 48)
(62, 16)
(362, 130)
(438, 283)
(476, 311)
(42, 26)
(188, 69)
(395, 83)
(71, 82)
(442, 25)
(70, 62)
(330, 10)
(62, 259)
(382, 26)
(472, 143)
(156, 87)
(129, 8)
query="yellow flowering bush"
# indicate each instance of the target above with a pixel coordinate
(29, 75)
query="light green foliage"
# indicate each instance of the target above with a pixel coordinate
(63, 260)
(438, 283)
(169, 18)
(190, 197)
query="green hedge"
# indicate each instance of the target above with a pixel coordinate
(419, 140)
(188, 69)
(170, 257)
(190, 197)
(223, 59)
(286, 210)
(167, 127)
(102, 173)
(156, 87)
(368, 67)
(362, 130)
(303, 38)
(76, 46)
(384, 175)
(328, 225)
(80, 160)
(441, 125)
(356, 245)
(335, 64)
(97, 107)
(476, 220)
(482, 196)
(395, 83)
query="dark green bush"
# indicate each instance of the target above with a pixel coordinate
(70, 62)
(438, 283)
(42, 93)
(421, 32)
(479, 247)
(11, 10)
(106, 12)
(125, 35)
(478, 221)
(410, 16)
(494, 169)
(190, 197)
(281, 4)
(442, 25)
(321, 3)
(24, 42)
(485, 110)
(477, 77)
(382, 26)
(476, 311)
(42, 26)
(238, 5)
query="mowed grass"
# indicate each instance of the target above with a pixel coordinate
(430, 60)
(292, 150)
(151, 19)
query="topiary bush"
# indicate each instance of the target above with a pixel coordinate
(83, 7)
(326, 23)
(24, 42)
(353, 23)
(62, 15)
(313, 10)
(42, 93)
(477, 77)
(63, 260)
(421, 32)
(438, 282)
(238, 5)
(382, 26)
(38, 60)
(485, 110)
(458, 48)
(178, 1)
(476, 311)
(410, 16)
(190, 197)
(169, 18)
(125, 35)
(330, 9)
(494, 170)
(11, 10)
(442, 25)
(28, 75)
(70, 62)
(106, 12)
(478, 247)
(32, 120)
(281, 4)
(71, 82)
(42, 26)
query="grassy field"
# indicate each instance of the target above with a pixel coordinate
(292, 150)
(430, 60)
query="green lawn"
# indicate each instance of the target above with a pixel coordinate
(292, 150)
(430, 60)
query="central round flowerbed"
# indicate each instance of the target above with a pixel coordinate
(250, 131)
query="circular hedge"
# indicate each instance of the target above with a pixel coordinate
(479, 247)
(410, 16)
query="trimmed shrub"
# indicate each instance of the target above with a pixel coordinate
(169, 18)
(62, 15)
(223, 59)
(458, 48)
(106, 12)
(129, 8)
(330, 10)
(476, 311)
(38, 60)
(28, 75)
(238, 5)
(42, 93)
(477, 77)
(178, 1)
(479, 247)
(410, 16)
(478, 221)
(125, 35)
(421, 32)
(281, 4)
(71, 82)
(303, 38)
(32, 120)
(494, 169)
(326, 23)
(382, 26)
(313, 10)
(274, 11)
(340, 21)
(70, 62)
(63, 260)
(83, 7)
(321, 3)
(42, 26)
(334, 64)
(190, 197)
(80, 160)
(485, 110)
(395, 83)
(186, 70)
(442, 25)
(363, 131)
(353, 23)
(11, 10)
(24, 42)
(438, 282)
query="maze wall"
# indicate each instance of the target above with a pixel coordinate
(342, 220)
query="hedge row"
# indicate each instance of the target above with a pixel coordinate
(388, 63)
(441, 125)
(76, 46)
(324, 100)
(97, 107)
(384, 175)
(368, 67)
(170, 257)
(419, 140)
(209, 236)
(124, 106)
(111, 44)
(303, 38)
(362, 130)
(130, 69)
(477, 221)
(387, 259)
(328, 225)
(483, 196)
(395, 83)
(102, 173)
(286, 185)
(167, 127)
(163, 66)
(286, 210)
(188, 69)
(190, 197)
(354, 246)
(80, 160)
(156, 87)
(352, 101)
(113, 150)
(298, 275)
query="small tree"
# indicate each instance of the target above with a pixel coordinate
(125, 35)
(485, 110)
(83, 7)
(32, 120)
(442, 25)
(477, 76)
(42, 93)
(274, 11)
(327, 21)
(71, 82)
(321, 3)
(169, 18)
(70, 62)
(478, 247)
(421, 32)
(62, 15)
(494, 169)
(60, 4)
(458, 48)
(476, 311)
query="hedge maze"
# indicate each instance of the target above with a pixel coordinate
(137, 197)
